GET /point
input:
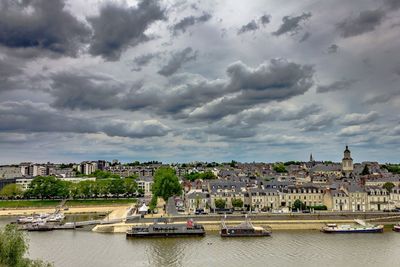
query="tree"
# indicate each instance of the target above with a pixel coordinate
(11, 191)
(279, 167)
(237, 203)
(365, 171)
(166, 183)
(130, 186)
(298, 205)
(117, 187)
(13, 247)
(388, 186)
(220, 203)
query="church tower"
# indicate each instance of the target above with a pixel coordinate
(347, 162)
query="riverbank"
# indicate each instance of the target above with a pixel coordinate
(48, 203)
(103, 209)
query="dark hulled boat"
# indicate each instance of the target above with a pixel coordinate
(396, 227)
(245, 229)
(167, 230)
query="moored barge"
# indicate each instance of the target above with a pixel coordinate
(165, 229)
(245, 229)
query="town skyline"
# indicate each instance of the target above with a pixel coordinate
(179, 81)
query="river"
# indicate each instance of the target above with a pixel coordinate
(283, 248)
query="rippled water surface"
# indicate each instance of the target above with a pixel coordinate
(284, 248)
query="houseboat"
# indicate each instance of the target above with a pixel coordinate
(360, 227)
(245, 229)
(165, 229)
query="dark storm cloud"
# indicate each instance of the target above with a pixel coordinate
(265, 19)
(85, 92)
(292, 24)
(189, 21)
(27, 117)
(142, 61)
(336, 86)
(118, 27)
(251, 26)
(177, 60)
(366, 21)
(333, 48)
(357, 118)
(194, 98)
(277, 81)
(391, 4)
(47, 27)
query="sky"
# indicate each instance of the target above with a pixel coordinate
(182, 81)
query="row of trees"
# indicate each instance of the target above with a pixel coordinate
(50, 187)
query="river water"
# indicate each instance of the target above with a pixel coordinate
(283, 248)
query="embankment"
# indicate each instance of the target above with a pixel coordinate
(279, 222)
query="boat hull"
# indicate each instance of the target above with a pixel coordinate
(333, 231)
(245, 235)
(396, 228)
(177, 234)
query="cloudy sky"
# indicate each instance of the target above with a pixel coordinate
(199, 80)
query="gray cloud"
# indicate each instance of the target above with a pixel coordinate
(382, 98)
(355, 130)
(277, 81)
(292, 24)
(317, 122)
(189, 21)
(177, 60)
(336, 86)
(48, 27)
(265, 19)
(89, 91)
(246, 123)
(333, 48)
(366, 21)
(138, 62)
(391, 5)
(38, 117)
(251, 26)
(11, 75)
(118, 27)
(357, 118)
(305, 37)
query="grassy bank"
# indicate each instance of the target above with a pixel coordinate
(99, 202)
(12, 204)
(4, 204)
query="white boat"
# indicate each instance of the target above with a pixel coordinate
(360, 227)
(396, 227)
(56, 217)
(23, 220)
